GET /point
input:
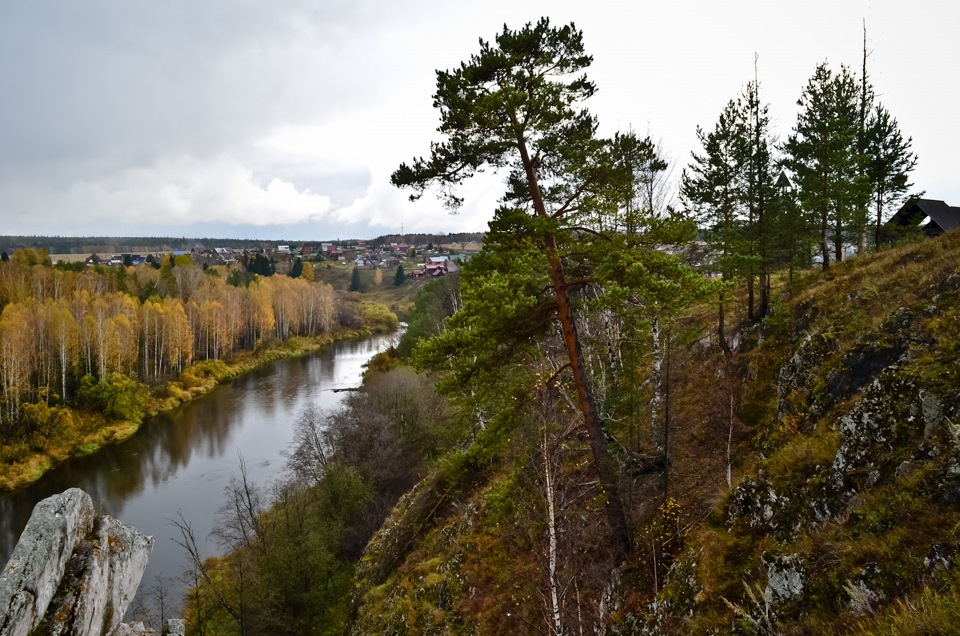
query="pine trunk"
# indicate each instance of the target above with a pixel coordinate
(616, 517)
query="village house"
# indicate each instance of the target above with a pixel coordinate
(440, 266)
(224, 255)
(925, 217)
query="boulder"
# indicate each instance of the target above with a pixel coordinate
(72, 572)
(33, 573)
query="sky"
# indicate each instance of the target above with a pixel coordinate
(284, 119)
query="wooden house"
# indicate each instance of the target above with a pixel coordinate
(920, 217)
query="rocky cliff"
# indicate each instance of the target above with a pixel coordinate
(72, 572)
(813, 486)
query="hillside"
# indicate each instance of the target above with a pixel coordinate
(835, 422)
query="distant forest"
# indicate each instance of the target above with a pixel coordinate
(119, 245)
(423, 239)
(146, 244)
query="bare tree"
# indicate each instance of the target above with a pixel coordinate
(311, 445)
(198, 574)
(239, 517)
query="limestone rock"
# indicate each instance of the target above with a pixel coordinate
(33, 573)
(72, 572)
(784, 579)
(132, 629)
(102, 580)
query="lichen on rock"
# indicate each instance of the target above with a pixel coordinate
(72, 572)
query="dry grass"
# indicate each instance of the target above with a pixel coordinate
(863, 304)
(69, 258)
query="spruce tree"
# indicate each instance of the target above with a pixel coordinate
(355, 280)
(297, 268)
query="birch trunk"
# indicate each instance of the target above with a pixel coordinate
(552, 536)
(657, 398)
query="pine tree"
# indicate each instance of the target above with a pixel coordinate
(399, 278)
(889, 162)
(791, 240)
(714, 190)
(517, 105)
(824, 155)
(759, 196)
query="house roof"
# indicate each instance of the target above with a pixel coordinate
(914, 212)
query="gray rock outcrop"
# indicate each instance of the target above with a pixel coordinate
(72, 572)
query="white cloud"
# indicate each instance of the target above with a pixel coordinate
(145, 116)
(182, 190)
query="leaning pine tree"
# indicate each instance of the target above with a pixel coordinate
(516, 105)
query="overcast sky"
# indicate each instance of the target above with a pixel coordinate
(283, 119)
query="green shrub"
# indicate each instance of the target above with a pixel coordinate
(115, 395)
(378, 317)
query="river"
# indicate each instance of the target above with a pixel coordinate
(180, 462)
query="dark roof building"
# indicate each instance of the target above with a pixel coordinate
(921, 217)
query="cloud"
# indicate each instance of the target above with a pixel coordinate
(225, 114)
(177, 191)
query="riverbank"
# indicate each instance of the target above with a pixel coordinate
(72, 432)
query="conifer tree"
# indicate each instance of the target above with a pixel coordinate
(355, 280)
(824, 154)
(759, 195)
(297, 270)
(308, 273)
(517, 105)
(714, 190)
(889, 162)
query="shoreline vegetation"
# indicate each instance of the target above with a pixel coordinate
(87, 431)
(86, 353)
(82, 432)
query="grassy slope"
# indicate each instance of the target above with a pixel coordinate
(849, 404)
(865, 356)
(400, 299)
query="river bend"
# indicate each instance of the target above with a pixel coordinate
(180, 462)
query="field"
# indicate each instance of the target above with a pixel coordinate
(400, 299)
(69, 258)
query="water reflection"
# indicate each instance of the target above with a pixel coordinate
(180, 462)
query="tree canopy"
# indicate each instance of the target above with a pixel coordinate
(517, 107)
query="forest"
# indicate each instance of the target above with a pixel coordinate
(117, 244)
(84, 351)
(656, 418)
(731, 411)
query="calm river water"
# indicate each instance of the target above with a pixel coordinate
(181, 461)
